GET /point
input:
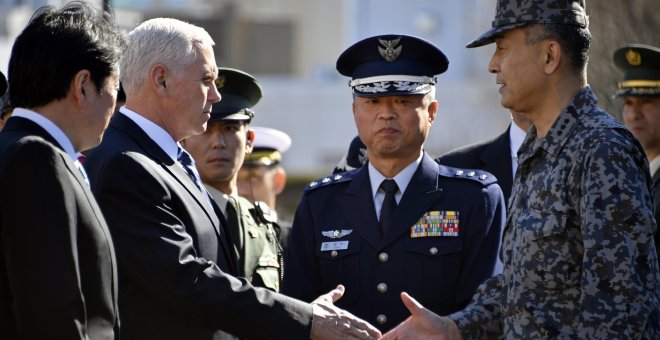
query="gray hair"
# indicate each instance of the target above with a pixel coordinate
(170, 42)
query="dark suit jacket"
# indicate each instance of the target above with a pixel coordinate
(656, 194)
(493, 156)
(442, 272)
(174, 261)
(58, 275)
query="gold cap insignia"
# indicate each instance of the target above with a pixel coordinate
(390, 52)
(634, 58)
(220, 82)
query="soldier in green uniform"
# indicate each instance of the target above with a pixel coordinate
(218, 155)
(640, 93)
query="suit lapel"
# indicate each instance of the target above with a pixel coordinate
(497, 160)
(155, 152)
(358, 207)
(420, 194)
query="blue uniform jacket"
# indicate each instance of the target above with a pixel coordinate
(336, 240)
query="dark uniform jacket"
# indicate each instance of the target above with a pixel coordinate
(336, 240)
(493, 156)
(173, 257)
(256, 243)
(656, 196)
(58, 276)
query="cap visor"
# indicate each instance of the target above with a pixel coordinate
(489, 36)
(235, 116)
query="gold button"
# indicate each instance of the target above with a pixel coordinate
(333, 253)
(433, 250)
(382, 319)
(383, 257)
(382, 287)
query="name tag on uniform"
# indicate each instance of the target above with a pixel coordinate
(338, 245)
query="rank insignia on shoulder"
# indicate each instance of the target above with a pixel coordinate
(436, 223)
(479, 176)
(332, 179)
(336, 233)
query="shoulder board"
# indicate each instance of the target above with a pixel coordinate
(332, 179)
(484, 178)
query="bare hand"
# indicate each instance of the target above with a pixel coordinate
(423, 324)
(331, 322)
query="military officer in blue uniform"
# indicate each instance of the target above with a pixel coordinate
(402, 222)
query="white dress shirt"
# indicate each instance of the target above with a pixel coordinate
(402, 180)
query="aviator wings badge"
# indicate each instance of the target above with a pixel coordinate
(389, 51)
(336, 233)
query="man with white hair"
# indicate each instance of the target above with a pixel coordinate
(174, 257)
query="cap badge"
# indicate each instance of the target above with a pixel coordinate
(390, 52)
(633, 57)
(220, 82)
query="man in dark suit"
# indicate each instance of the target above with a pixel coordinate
(640, 93)
(5, 110)
(58, 278)
(402, 221)
(218, 155)
(499, 156)
(174, 257)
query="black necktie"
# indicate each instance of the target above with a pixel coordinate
(184, 158)
(232, 220)
(389, 204)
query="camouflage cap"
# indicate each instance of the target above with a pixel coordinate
(511, 14)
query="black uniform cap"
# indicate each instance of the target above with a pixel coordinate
(389, 65)
(641, 70)
(3, 84)
(240, 92)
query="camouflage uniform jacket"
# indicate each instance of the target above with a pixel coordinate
(578, 252)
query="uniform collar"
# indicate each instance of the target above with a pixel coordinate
(402, 179)
(584, 102)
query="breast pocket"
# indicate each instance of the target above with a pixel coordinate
(341, 266)
(435, 265)
(549, 252)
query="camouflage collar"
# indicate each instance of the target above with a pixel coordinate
(584, 102)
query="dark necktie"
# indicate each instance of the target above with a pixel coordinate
(233, 221)
(234, 229)
(184, 158)
(389, 204)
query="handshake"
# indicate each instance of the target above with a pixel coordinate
(331, 322)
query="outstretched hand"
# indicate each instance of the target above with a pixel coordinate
(423, 324)
(331, 322)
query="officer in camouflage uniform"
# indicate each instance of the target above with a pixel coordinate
(578, 251)
(640, 93)
(218, 155)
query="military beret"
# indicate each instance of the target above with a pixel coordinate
(641, 70)
(3, 84)
(388, 65)
(511, 14)
(240, 92)
(269, 144)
